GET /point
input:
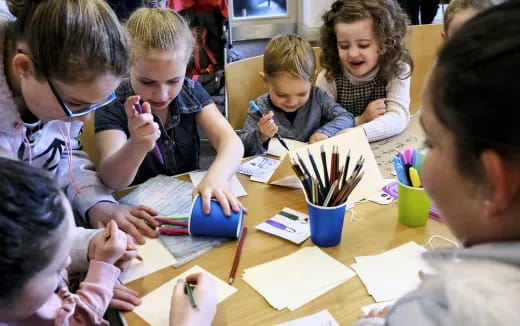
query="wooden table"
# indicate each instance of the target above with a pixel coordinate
(378, 231)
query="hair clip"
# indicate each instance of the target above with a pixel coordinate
(151, 3)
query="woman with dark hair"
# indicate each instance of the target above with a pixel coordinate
(472, 173)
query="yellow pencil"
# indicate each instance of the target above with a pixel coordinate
(414, 177)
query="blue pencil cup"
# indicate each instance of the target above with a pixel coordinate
(216, 224)
(326, 224)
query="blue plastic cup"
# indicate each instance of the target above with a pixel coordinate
(216, 224)
(326, 224)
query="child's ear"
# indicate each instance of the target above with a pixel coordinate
(444, 36)
(504, 183)
(263, 77)
(23, 65)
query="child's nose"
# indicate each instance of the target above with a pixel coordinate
(353, 52)
(162, 93)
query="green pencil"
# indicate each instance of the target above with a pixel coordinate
(189, 291)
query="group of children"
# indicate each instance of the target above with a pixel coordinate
(60, 60)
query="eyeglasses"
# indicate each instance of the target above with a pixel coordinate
(68, 112)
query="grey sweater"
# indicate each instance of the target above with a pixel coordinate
(319, 114)
(474, 286)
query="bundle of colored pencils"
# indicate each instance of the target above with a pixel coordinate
(330, 189)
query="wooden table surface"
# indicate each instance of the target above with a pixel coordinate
(378, 230)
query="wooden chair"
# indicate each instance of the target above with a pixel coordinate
(88, 139)
(243, 84)
(424, 42)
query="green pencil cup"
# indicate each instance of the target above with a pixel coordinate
(413, 205)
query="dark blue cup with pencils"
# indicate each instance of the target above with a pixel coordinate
(326, 224)
(216, 224)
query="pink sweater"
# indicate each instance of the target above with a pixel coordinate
(86, 307)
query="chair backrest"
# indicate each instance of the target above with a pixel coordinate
(424, 42)
(243, 84)
(88, 140)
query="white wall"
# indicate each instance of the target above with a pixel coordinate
(309, 17)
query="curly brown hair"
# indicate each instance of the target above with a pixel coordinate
(389, 22)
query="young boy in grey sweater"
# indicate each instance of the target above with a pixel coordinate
(293, 107)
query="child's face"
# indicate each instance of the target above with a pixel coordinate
(460, 19)
(158, 76)
(458, 199)
(41, 286)
(287, 91)
(358, 46)
(44, 104)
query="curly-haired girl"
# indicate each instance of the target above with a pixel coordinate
(367, 66)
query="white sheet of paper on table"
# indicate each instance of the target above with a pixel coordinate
(401, 265)
(155, 306)
(301, 226)
(275, 148)
(300, 277)
(236, 187)
(155, 257)
(258, 165)
(322, 318)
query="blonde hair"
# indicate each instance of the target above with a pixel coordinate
(70, 40)
(159, 29)
(457, 6)
(291, 54)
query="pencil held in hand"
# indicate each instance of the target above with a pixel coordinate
(189, 292)
(257, 110)
(156, 149)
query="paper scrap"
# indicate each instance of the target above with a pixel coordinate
(155, 306)
(297, 229)
(236, 187)
(155, 257)
(321, 318)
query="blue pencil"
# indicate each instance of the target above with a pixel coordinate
(257, 110)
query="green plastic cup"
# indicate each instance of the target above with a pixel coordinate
(413, 205)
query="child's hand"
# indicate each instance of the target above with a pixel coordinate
(213, 186)
(205, 296)
(144, 132)
(112, 246)
(266, 127)
(374, 313)
(373, 110)
(124, 299)
(130, 254)
(316, 137)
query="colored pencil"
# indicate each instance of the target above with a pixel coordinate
(325, 172)
(237, 256)
(316, 172)
(345, 169)
(156, 149)
(189, 292)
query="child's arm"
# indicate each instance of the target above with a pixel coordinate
(95, 293)
(120, 157)
(229, 155)
(334, 117)
(397, 116)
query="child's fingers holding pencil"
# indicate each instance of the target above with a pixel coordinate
(130, 109)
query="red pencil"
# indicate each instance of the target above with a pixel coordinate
(237, 256)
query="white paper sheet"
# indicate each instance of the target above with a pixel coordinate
(155, 257)
(258, 165)
(236, 187)
(301, 227)
(401, 266)
(275, 148)
(322, 318)
(155, 306)
(293, 280)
